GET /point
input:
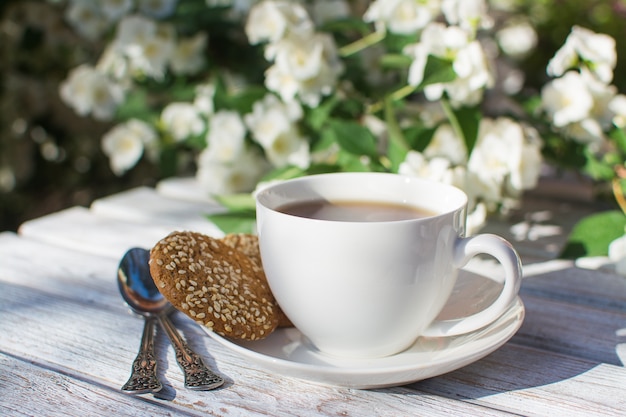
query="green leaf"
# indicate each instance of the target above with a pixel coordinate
(398, 147)
(135, 107)
(351, 163)
(396, 155)
(599, 169)
(318, 116)
(592, 235)
(352, 137)
(243, 101)
(437, 70)
(619, 137)
(284, 173)
(322, 169)
(168, 161)
(197, 142)
(469, 120)
(396, 42)
(418, 137)
(236, 202)
(346, 24)
(243, 221)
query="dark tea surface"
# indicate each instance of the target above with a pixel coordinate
(354, 211)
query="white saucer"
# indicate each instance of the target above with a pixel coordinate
(287, 352)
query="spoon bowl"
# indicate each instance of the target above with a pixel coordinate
(136, 284)
(143, 297)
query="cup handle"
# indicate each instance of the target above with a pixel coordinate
(464, 250)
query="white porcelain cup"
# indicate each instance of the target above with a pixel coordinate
(370, 289)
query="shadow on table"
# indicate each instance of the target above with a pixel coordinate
(575, 320)
(164, 350)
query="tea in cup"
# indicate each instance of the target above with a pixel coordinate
(363, 263)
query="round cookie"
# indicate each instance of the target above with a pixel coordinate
(248, 244)
(214, 284)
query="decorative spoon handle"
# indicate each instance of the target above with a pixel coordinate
(144, 372)
(197, 376)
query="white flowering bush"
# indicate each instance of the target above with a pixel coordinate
(256, 91)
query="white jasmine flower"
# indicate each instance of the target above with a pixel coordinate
(602, 95)
(87, 90)
(270, 21)
(473, 76)
(289, 148)
(270, 117)
(204, 98)
(435, 169)
(115, 9)
(233, 177)
(505, 158)
(182, 120)
(133, 31)
(87, 19)
(149, 46)
(124, 144)
(589, 128)
(498, 148)
(272, 124)
(567, 99)
(188, 56)
(468, 62)
(617, 105)
(403, 16)
(518, 39)
(470, 15)
(617, 254)
(113, 62)
(226, 136)
(300, 56)
(307, 67)
(596, 51)
(587, 131)
(157, 9)
(446, 144)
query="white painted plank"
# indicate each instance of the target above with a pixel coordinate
(183, 188)
(80, 229)
(144, 205)
(564, 280)
(533, 382)
(29, 390)
(580, 331)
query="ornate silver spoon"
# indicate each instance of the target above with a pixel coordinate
(142, 296)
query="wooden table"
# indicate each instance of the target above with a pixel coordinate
(67, 340)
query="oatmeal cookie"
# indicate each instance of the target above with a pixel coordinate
(215, 284)
(248, 244)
